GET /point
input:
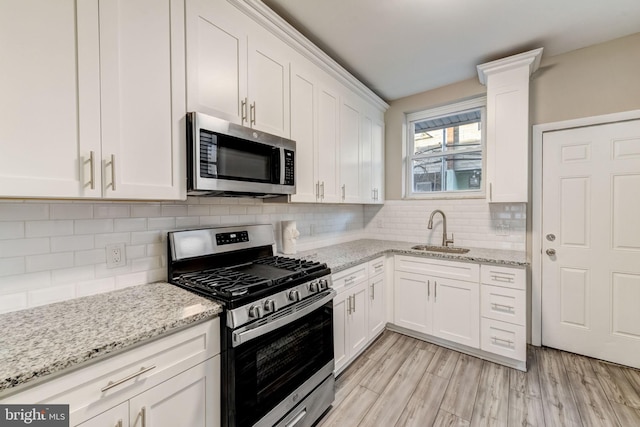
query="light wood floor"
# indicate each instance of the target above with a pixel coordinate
(401, 381)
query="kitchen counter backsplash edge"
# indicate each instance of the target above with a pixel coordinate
(345, 255)
(41, 341)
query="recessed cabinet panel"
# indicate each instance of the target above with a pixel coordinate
(456, 311)
(412, 305)
(349, 152)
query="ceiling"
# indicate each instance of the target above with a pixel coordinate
(402, 47)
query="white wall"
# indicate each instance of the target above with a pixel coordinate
(55, 250)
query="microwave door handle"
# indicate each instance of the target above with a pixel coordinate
(282, 166)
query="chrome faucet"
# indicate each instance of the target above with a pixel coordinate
(445, 240)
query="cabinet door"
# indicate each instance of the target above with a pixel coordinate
(412, 305)
(456, 311)
(303, 131)
(328, 143)
(376, 305)
(340, 332)
(114, 417)
(191, 398)
(217, 60)
(377, 161)
(143, 98)
(268, 83)
(367, 195)
(358, 326)
(349, 151)
(50, 73)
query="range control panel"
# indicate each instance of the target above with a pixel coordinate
(229, 238)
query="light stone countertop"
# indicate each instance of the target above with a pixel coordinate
(344, 255)
(40, 341)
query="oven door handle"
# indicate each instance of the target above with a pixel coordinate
(250, 332)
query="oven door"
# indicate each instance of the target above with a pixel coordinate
(268, 373)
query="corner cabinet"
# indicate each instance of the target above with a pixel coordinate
(507, 125)
(358, 310)
(144, 386)
(106, 119)
(473, 308)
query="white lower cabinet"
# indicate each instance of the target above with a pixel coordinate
(172, 381)
(482, 307)
(358, 310)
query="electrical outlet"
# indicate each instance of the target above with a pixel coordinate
(116, 256)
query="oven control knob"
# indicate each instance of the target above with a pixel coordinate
(255, 312)
(269, 306)
(294, 295)
(314, 287)
(323, 285)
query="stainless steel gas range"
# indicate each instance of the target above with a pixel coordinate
(277, 327)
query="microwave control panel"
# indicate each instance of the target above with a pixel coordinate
(289, 169)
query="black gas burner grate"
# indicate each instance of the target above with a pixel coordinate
(290, 264)
(223, 281)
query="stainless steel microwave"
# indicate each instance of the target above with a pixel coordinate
(226, 159)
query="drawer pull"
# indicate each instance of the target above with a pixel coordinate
(373, 291)
(350, 279)
(505, 279)
(377, 266)
(112, 384)
(498, 339)
(503, 307)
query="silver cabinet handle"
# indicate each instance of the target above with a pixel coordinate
(428, 289)
(143, 416)
(354, 302)
(113, 384)
(344, 191)
(509, 342)
(112, 163)
(92, 170)
(506, 279)
(322, 188)
(435, 291)
(297, 418)
(317, 190)
(551, 252)
(490, 192)
(243, 110)
(252, 113)
(508, 308)
(349, 305)
(119, 423)
(373, 291)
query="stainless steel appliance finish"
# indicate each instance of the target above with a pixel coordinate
(226, 159)
(277, 328)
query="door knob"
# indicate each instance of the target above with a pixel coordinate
(551, 252)
(551, 237)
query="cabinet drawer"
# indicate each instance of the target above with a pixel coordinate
(350, 277)
(376, 266)
(503, 338)
(435, 267)
(505, 304)
(504, 276)
(106, 383)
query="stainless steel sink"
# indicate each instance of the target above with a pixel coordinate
(445, 249)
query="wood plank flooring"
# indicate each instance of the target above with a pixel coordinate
(401, 381)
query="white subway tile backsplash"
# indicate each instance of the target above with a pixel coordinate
(71, 211)
(23, 211)
(161, 223)
(94, 256)
(142, 237)
(93, 226)
(130, 224)
(145, 210)
(112, 211)
(187, 222)
(174, 210)
(197, 210)
(11, 266)
(92, 287)
(136, 251)
(145, 264)
(12, 230)
(13, 302)
(50, 295)
(21, 247)
(72, 243)
(126, 280)
(72, 275)
(102, 240)
(49, 228)
(49, 262)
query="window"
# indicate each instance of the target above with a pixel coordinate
(445, 149)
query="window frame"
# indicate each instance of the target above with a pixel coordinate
(477, 103)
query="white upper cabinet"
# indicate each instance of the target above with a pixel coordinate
(217, 60)
(237, 70)
(93, 99)
(350, 133)
(507, 121)
(49, 72)
(377, 160)
(143, 98)
(327, 149)
(371, 159)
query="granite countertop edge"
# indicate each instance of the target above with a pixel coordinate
(21, 370)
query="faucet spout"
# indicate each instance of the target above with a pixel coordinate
(445, 239)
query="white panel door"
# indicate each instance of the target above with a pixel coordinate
(349, 151)
(340, 331)
(143, 98)
(303, 132)
(327, 144)
(358, 326)
(591, 206)
(49, 68)
(377, 161)
(376, 305)
(456, 310)
(412, 305)
(217, 60)
(191, 398)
